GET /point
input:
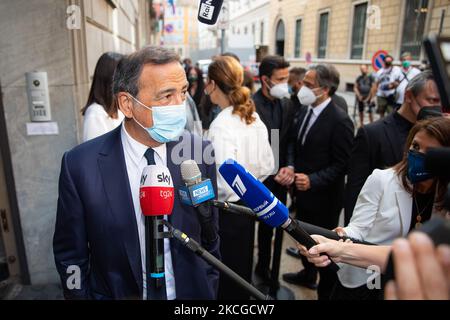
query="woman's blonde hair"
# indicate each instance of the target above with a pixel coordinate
(228, 74)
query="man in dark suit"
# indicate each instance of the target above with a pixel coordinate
(322, 150)
(380, 145)
(100, 232)
(275, 110)
(295, 83)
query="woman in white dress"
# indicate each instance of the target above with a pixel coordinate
(101, 114)
(236, 133)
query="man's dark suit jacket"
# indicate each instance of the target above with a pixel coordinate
(377, 146)
(324, 158)
(96, 227)
(287, 118)
(340, 102)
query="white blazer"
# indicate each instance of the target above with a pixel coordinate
(382, 213)
(97, 122)
(249, 145)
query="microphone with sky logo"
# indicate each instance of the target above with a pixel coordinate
(156, 197)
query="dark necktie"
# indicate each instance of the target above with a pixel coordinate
(152, 292)
(305, 126)
(150, 156)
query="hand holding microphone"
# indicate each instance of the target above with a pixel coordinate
(332, 248)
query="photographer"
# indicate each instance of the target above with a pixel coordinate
(387, 80)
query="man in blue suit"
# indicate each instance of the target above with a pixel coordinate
(100, 231)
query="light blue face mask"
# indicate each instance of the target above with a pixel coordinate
(168, 121)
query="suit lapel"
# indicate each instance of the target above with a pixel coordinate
(111, 162)
(301, 117)
(318, 123)
(392, 135)
(404, 202)
(285, 118)
(175, 173)
(263, 114)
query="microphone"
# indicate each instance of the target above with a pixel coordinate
(208, 11)
(265, 205)
(233, 208)
(309, 228)
(156, 197)
(312, 229)
(437, 161)
(197, 193)
(195, 247)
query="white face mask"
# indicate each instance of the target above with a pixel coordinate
(306, 96)
(280, 91)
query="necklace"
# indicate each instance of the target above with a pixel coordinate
(419, 213)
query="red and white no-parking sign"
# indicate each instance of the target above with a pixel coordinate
(378, 59)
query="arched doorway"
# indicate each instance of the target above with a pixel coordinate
(279, 38)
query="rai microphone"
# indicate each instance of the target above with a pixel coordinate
(267, 207)
(198, 192)
(208, 11)
(156, 198)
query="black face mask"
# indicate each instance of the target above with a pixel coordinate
(429, 112)
(388, 64)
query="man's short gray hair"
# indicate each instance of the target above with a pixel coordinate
(128, 71)
(418, 83)
(327, 76)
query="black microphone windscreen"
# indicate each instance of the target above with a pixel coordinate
(437, 161)
(208, 11)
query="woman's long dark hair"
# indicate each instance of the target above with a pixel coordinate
(438, 128)
(101, 88)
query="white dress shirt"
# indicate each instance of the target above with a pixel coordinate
(97, 122)
(136, 162)
(249, 145)
(316, 111)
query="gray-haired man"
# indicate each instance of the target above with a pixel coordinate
(322, 144)
(100, 228)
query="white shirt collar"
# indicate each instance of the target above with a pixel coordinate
(137, 149)
(318, 110)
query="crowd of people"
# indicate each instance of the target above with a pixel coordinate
(294, 134)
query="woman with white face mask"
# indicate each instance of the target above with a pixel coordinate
(236, 133)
